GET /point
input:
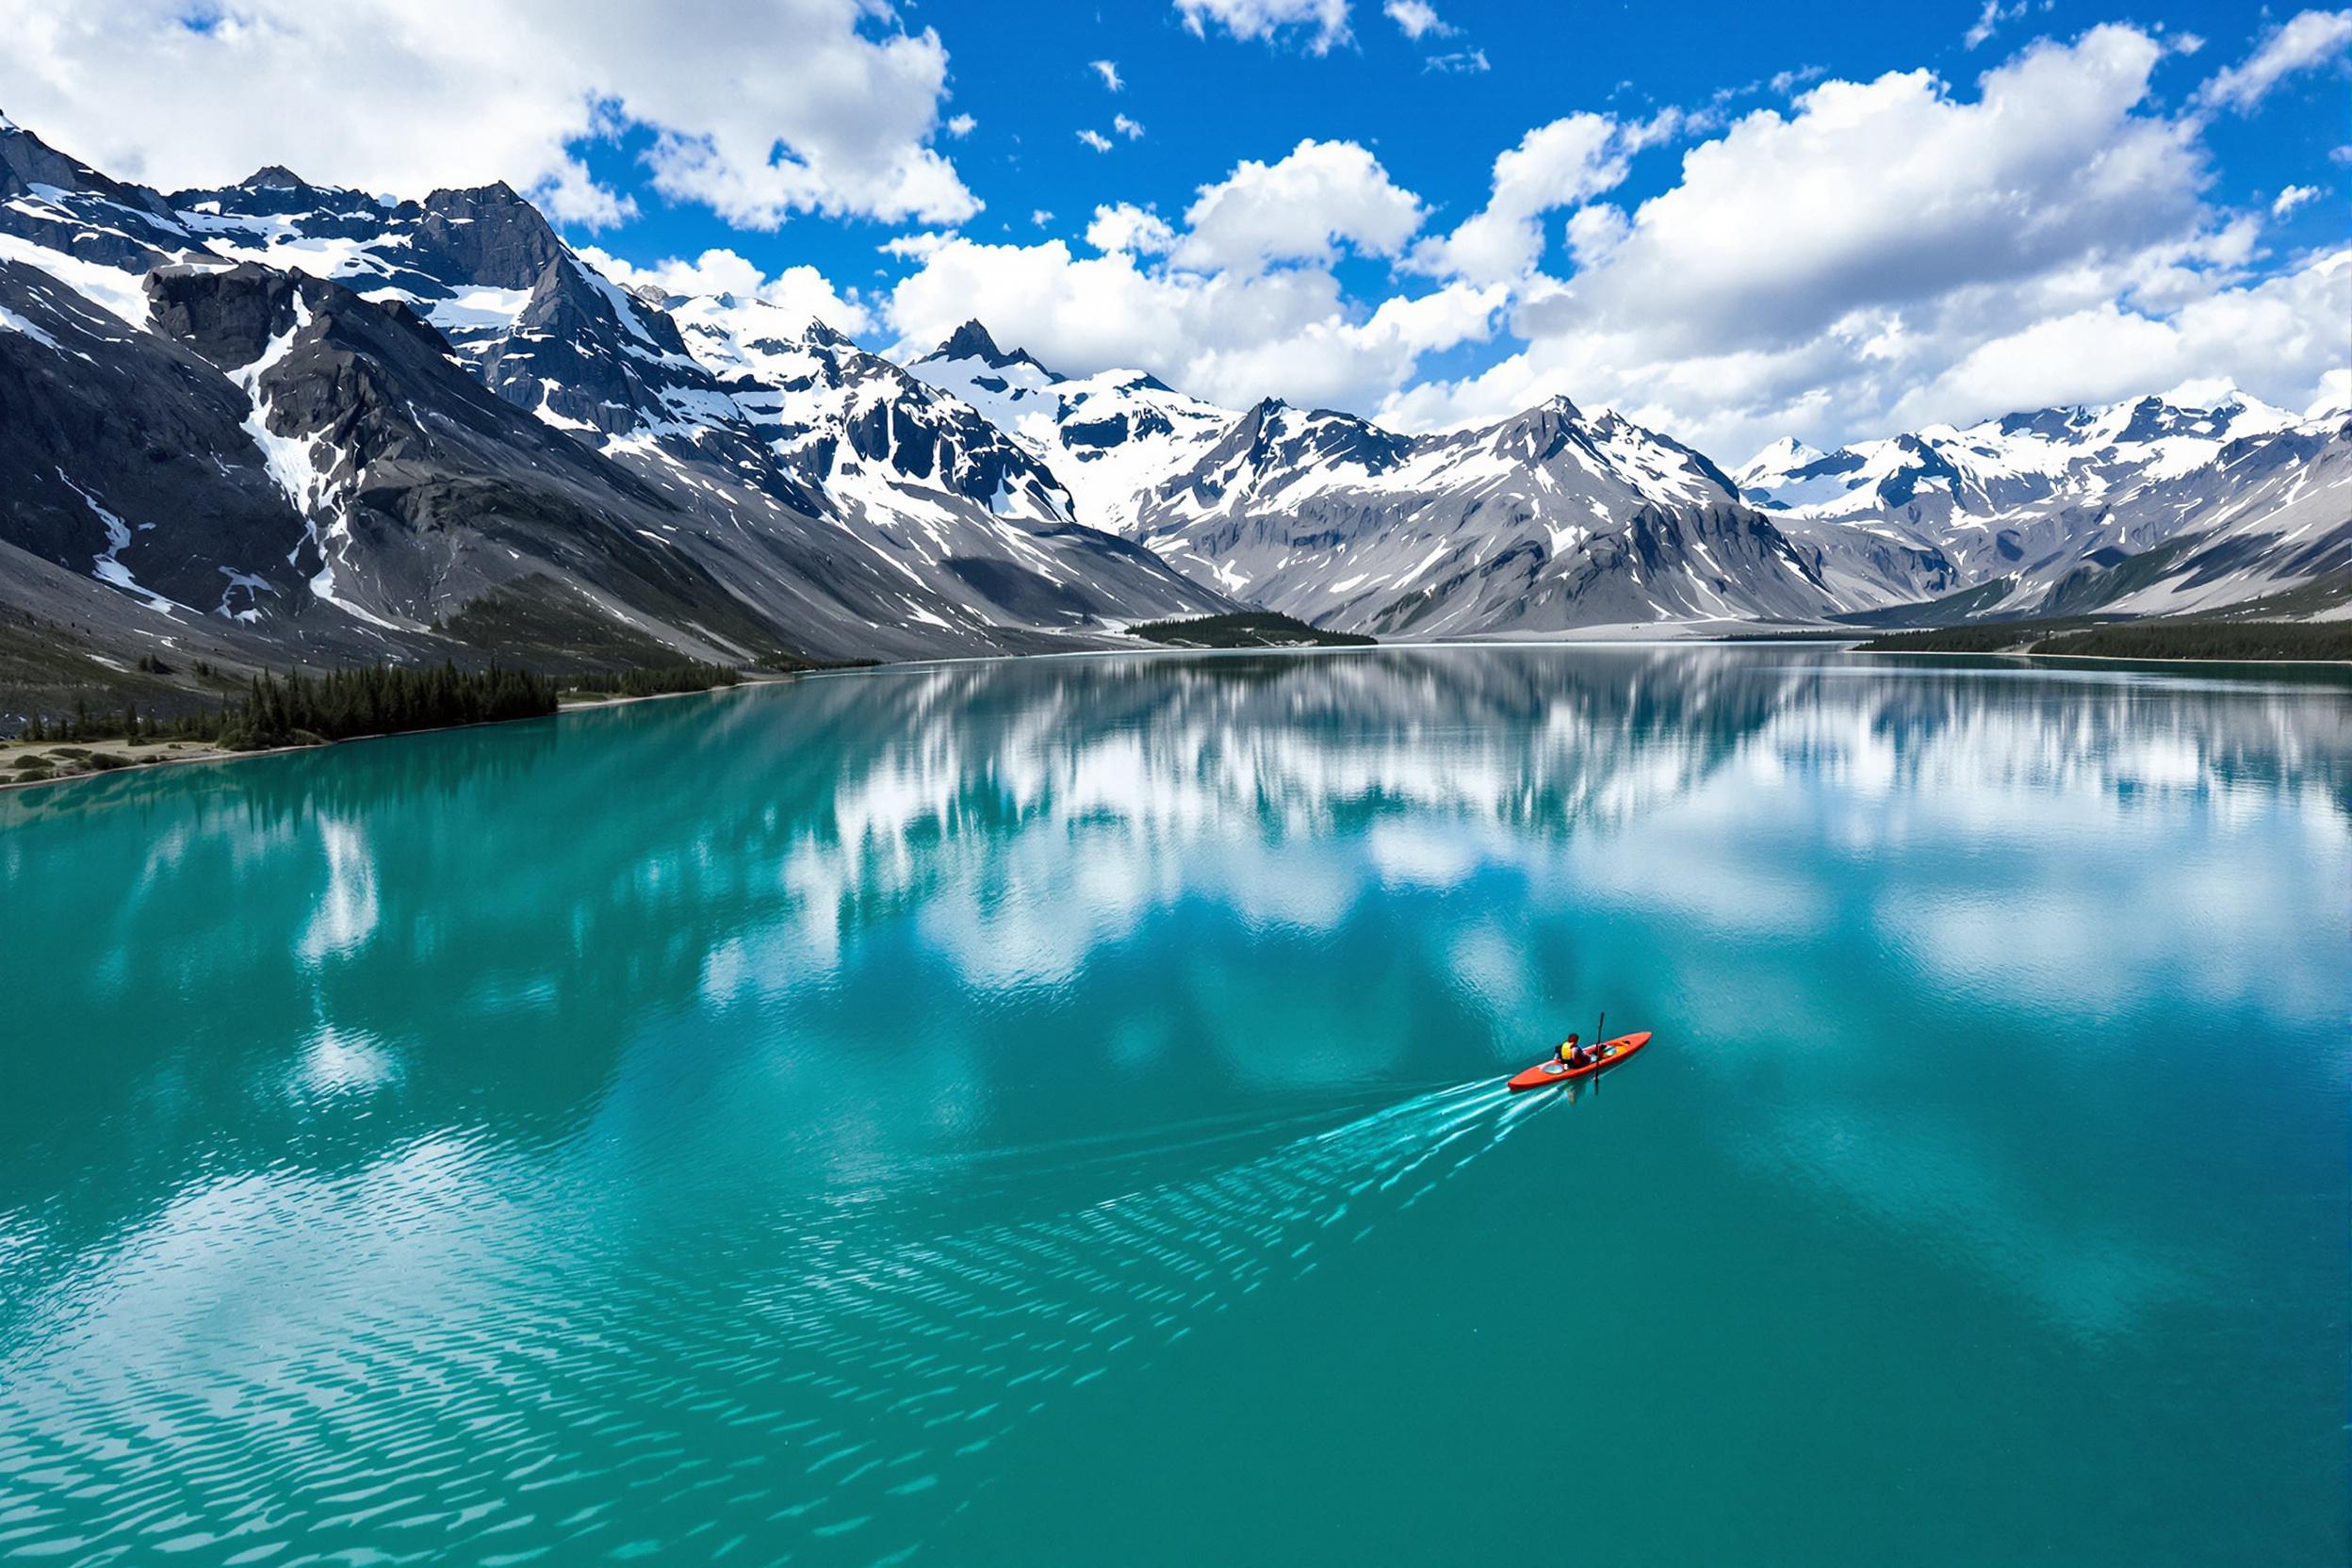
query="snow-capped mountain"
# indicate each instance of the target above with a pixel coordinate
(293, 420)
(1546, 522)
(2020, 505)
(1112, 439)
(2009, 464)
(801, 415)
(2266, 528)
(859, 427)
(1768, 476)
(831, 504)
(1125, 444)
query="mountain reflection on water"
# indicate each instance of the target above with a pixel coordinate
(678, 1067)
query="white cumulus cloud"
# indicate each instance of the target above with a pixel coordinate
(1108, 71)
(1228, 337)
(1890, 252)
(1458, 63)
(919, 246)
(1319, 196)
(2293, 197)
(1323, 23)
(1127, 227)
(1991, 19)
(828, 107)
(1418, 18)
(1237, 301)
(1558, 164)
(2309, 38)
(1095, 139)
(2287, 332)
(802, 291)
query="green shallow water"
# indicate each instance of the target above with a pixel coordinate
(1048, 1112)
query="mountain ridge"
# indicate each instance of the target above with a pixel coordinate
(908, 529)
(339, 485)
(2048, 499)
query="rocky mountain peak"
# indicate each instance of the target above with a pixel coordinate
(1787, 452)
(26, 160)
(971, 341)
(821, 335)
(226, 314)
(490, 235)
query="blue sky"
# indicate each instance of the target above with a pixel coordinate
(1206, 103)
(1732, 220)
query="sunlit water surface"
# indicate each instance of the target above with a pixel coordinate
(1049, 1113)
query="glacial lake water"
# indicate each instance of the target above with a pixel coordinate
(1049, 1112)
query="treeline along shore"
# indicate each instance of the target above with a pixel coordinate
(2246, 641)
(274, 712)
(271, 711)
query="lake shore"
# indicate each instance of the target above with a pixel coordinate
(74, 761)
(1861, 644)
(2170, 661)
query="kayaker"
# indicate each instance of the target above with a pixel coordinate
(1570, 1052)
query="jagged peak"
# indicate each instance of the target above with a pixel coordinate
(1553, 410)
(1778, 458)
(273, 176)
(2048, 422)
(824, 335)
(1787, 449)
(469, 200)
(968, 341)
(2203, 396)
(2218, 394)
(973, 341)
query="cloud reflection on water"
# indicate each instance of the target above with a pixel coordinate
(490, 1031)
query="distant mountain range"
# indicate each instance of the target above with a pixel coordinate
(2144, 508)
(1554, 520)
(276, 421)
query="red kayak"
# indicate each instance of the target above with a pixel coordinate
(1545, 1074)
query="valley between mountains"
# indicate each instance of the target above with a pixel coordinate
(276, 423)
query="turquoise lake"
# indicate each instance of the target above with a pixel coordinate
(1049, 1112)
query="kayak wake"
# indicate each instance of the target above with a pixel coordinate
(913, 1356)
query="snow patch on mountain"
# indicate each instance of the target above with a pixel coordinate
(2019, 460)
(1548, 522)
(108, 568)
(1111, 438)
